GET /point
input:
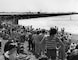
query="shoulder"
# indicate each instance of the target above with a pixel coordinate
(46, 37)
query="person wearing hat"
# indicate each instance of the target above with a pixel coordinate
(9, 49)
(12, 52)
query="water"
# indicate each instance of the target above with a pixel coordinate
(70, 23)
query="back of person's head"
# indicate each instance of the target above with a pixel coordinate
(38, 32)
(43, 31)
(9, 41)
(52, 31)
(76, 47)
(11, 47)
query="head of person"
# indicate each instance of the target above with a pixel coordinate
(52, 31)
(43, 31)
(76, 47)
(11, 47)
(38, 32)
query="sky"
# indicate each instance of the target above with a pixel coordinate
(70, 23)
(38, 5)
(45, 6)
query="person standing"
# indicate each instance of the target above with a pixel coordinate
(10, 50)
(50, 43)
(30, 41)
(42, 35)
(6, 49)
(37, 40)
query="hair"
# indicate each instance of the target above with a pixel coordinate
(11, 47)
(43, 31)
(52, 31)
(38, 32)
(76, 47)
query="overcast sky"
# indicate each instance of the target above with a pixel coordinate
(39, 5)
(45, 6)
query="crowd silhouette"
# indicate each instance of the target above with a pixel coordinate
(42, 44)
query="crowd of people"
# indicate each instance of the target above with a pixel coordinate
(41, 43)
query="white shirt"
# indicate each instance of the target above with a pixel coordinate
(7, 54)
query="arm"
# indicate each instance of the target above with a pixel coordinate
(43, 40)
(7, 54)
(60, 42)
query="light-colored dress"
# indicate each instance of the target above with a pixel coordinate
(2, 57)
(37, 43)
(13, 54)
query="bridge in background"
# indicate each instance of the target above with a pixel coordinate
(15, 16)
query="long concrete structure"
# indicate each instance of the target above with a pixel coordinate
(15, 16)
